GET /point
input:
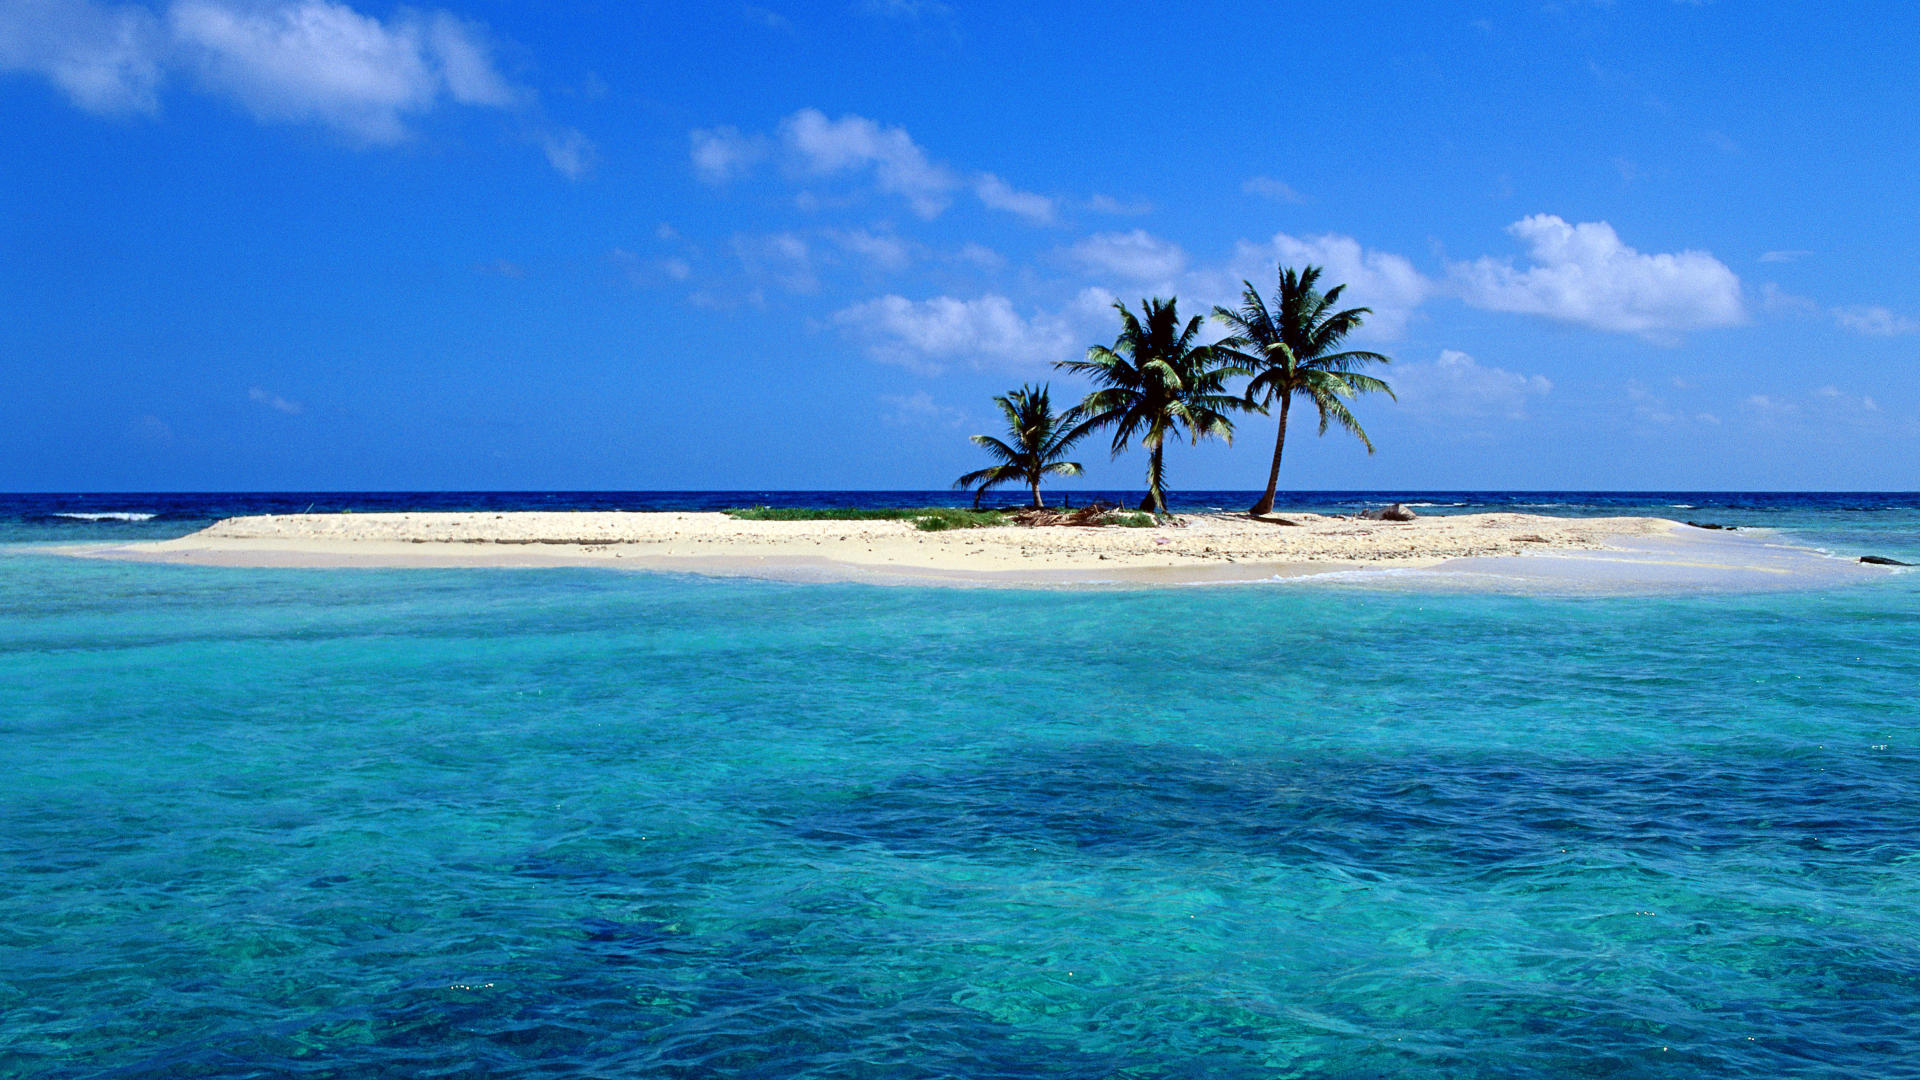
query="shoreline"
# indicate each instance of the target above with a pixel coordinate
(1535, 551)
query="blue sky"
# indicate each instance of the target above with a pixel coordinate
(299, 244)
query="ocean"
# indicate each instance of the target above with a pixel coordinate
(586, 822)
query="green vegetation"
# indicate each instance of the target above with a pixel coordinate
(1040, 443)
(942, 518)
(925, 518)
(1290, 349)
(1155, 380)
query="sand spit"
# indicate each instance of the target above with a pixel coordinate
(1201, 548)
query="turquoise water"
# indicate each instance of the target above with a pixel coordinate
(556, 822)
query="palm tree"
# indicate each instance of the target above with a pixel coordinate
(1152, 381)
(1289, 349)
(1040, 440)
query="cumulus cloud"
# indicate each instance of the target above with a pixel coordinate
(1875, 320)
(767, 18)
(723, 153)
(1385, 282)
(1455, 386)
(907, 9)
(569, 152)
(855, 144)
(1267, 187)
(782, 257)
(1584, 274)
(882, 249)
(1134, 257)
(105, 59)
(1107, 204)
(1651, 408)
(811, 145)
(981, 256)
(273, 401)
(281, 61)
(997, 194)
(150, 429)
(983, 333)
(1775, 299)
(322, 62)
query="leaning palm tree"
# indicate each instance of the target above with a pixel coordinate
(1156, 380)
(1291, 350)
(1040, 440)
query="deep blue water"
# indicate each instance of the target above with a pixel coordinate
(342, 823)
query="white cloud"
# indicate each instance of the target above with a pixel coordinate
(105, 59)
(997, 194)
(1775, 299)
(466, 63)
(150, 429)
(322, 62)
(1380, 280)
(812, 145)
(980, 255)
(1268, 188)
(1875, 320)
(1651, 408)
(1783, 256)
(569, 152)
(781, 257)
(908, 9)
(884, 250)
(1825, 409)
(282, 61)
(1135, 257)
(723, 153)
(1834, 396)
(1583, 274)
(273, 401)
(1455, 386)
(854, 144)
(766, 17)
(1107, 204)
(984, 333)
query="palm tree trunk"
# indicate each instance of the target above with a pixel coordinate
(1156, 499)
(1265, 505)
(1037, 504)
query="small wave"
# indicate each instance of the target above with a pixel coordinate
(1395, 573)
(105, 515)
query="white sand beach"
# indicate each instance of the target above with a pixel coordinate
(1197, 549)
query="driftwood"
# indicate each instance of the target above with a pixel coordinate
(1092, 516)
(1396, 512)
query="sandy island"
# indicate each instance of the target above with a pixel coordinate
(1201, 548)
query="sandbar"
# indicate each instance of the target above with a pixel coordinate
(1194, 549)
